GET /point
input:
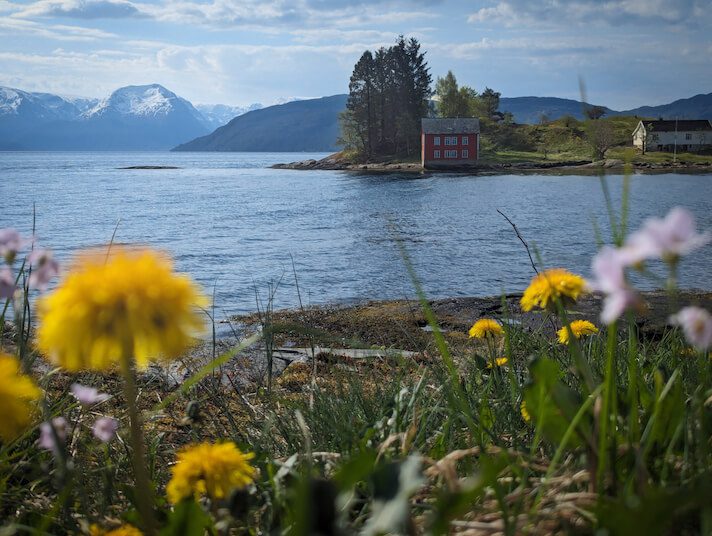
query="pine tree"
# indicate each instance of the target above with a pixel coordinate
(359, 119)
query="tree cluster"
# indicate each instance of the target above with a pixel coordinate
(389, 92)
(464, 101)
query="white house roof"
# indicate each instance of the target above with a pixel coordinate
(458, 125)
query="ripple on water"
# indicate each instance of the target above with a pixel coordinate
(236, 225)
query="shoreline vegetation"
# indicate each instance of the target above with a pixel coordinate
(518, 163)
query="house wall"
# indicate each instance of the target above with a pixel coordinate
(665, 141)
(429, 156)
(639, 137)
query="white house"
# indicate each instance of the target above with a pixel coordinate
(663, 135)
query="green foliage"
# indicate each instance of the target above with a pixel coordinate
(454, 101)
(388, 95)
(187, 519)
(551, 403)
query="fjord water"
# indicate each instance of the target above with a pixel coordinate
(235, 225)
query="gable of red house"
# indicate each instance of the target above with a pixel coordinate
(451, 142)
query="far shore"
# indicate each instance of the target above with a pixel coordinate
(575, 167)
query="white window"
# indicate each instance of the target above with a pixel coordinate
(450, 154)
(450, 140)
(436, 154)
(436, 140)
(465, 153)
(465, 140)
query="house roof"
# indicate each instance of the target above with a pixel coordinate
(459, 125)
(683, 125)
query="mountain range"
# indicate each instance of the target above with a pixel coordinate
(531, 109)
(153, 118)
(132, 118)
(298, 126)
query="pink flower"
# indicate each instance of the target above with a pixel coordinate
(105, 429)
(44, 268)
(617, 303)
(7, 283)
(87, 396)
(10, 243)
(696, 324)
(669, 238)
(47, 437)
(608, 268)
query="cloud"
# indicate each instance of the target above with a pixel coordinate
(267, 15)
(512, 13)
(528, 47)
(80, 9)
(58, 32)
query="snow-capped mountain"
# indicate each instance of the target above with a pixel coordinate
(142, 101)
(218, 115)
(148, 117)
(131, 118)
(40, 106)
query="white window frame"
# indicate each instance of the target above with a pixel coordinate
(450, 140)
(451, 153)
(436, 140)
(465, 140)
(465, 153)
(436, 153)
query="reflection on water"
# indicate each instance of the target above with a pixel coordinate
(233, 223)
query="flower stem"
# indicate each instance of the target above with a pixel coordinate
(143, 489)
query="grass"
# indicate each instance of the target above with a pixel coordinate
(660, 157)
(565, 140)
(522, 157)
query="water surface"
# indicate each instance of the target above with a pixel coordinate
(235, 225)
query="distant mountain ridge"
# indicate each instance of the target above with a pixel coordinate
(531, 110)
(697, 107)
(218, 115)
(302, 125)
(146, 117)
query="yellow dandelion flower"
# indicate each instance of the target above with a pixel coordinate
(132, 303)
(551, 285)
(123, 530)
(212, 470)
(580, 328)
(525, 413)
(499, 362)
(486, 327)
(18, 394)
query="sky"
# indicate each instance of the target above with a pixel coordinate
(628, 52)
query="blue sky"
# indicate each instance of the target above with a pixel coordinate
(629, 52)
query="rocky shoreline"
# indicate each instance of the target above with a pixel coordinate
(401, 323)
(342, 333)
(334, 163)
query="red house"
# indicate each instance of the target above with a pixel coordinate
(449, 142)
